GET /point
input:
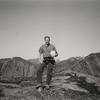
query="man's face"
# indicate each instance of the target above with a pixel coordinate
(47, 41)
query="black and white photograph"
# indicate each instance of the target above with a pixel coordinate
(49, 49)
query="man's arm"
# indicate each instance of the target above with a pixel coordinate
(55, 52)
(40, 58)
(41, 55)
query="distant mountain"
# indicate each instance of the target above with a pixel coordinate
(34, 61)
(18, 67)
(2, 61)
(57, 60)
(88, 65)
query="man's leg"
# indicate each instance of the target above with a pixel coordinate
(49, 73)
(39, 73)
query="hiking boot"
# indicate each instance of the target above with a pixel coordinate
(47, 86)
(38, 86)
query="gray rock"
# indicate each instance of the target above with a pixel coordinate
(18, 67)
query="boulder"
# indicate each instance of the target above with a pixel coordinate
(2, 61)
(88, 65)
(18, 67)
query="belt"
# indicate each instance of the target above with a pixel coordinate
(48, 58)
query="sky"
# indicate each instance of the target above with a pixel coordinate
(73, 26)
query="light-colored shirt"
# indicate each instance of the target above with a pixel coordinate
(45, 50)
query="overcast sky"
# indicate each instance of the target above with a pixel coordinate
(73, 25)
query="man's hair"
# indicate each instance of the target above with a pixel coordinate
(46, 37)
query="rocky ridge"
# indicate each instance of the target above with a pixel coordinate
(76, 78)
(88, 65)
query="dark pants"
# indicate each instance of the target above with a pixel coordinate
(47, 61)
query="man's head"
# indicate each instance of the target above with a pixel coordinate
(47, 40)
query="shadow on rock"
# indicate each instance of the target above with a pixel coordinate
(81, 82)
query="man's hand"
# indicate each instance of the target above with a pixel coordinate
(56, 54)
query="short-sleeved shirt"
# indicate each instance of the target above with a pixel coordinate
(45, 50)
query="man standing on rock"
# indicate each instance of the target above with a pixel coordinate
(49, 52)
